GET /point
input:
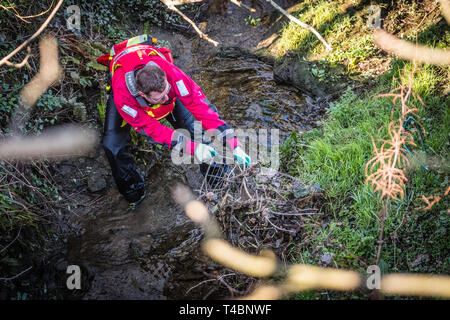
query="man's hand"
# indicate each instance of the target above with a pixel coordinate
(241, 157)
(204, 153)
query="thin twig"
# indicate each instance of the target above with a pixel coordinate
(209, 280)
(245, 188)
(292, 214)
(16, 276)
(200, 33)
(17, 14)
(199, 284)
(242, 5)
(12, 241)
(302, 24)
(278, 228)
(24, 61)
(380, 240)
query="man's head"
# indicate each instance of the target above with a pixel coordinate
(152, 84)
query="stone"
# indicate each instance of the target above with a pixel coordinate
(316, 188)
(420, 259)
(300, 190)
(297, 73)
(326, 259)
(96, 182)
(65, 170)
(235, 99)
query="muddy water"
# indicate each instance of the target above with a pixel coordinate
(151, 252)
(244, 90)
(154, 252)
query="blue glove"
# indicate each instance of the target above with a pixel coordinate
(204, 153)
(241, 157)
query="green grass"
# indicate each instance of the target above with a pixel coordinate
(338, 29)
(296, 38)
(335, 155)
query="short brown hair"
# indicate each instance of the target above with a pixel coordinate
(151, 78)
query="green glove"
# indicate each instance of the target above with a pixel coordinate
(204, 153)
(241, 157)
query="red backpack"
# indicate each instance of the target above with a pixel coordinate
(142, 39)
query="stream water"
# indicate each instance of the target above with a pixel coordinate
(243, 88)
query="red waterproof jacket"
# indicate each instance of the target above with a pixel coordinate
(124, 59)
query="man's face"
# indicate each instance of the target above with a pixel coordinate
(155, 97)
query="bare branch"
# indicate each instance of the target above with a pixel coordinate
(172, 7)
(18, 233)
(16, 276)
(242, 5)
(24, 61)
(18, 15)
(38, 32)
(301, 24)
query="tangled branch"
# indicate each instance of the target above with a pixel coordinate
(38, 32)
(299, 277)
(261, 208)
(18, 15)
(385, 170)
(388, 176)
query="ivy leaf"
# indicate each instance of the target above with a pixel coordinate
(75, 75)
(97, 66)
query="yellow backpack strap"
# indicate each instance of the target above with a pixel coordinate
(137, 40)
(155, 52)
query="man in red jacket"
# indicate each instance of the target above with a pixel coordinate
(147, 87)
